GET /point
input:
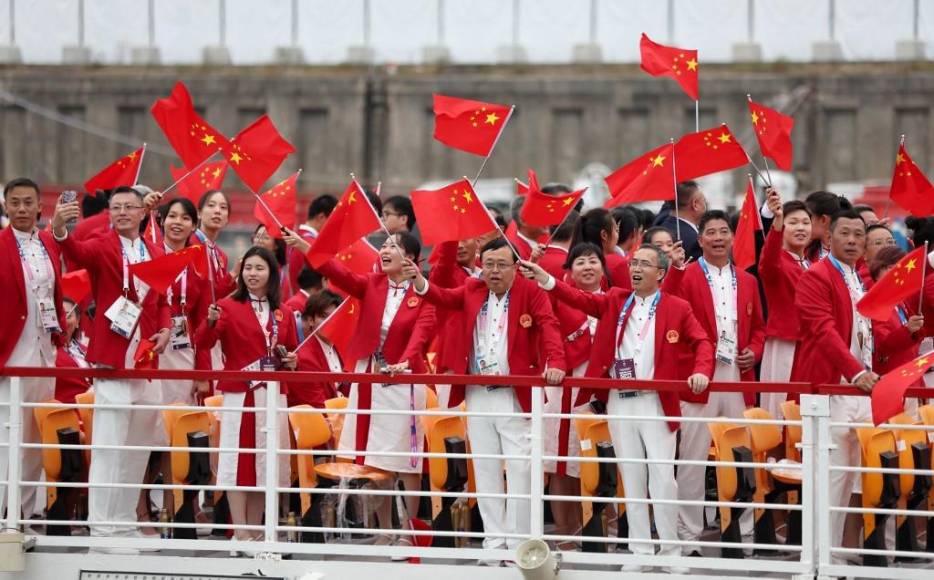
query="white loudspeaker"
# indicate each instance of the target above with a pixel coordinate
(535, 560)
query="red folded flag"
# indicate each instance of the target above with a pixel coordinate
(123, 171)
(910, 189)
(543, 210)
(198, 259)
(281, 201)
(744, 242)
(671, 61)
(192, 138)
(76, 285)
(522, 189)
(257, 152)
(451, 214)
(153, 232)
(361, 257)
(145, 358)
(646, 178)
(352, 219)
(339, 328)
(903, 280)
(773, 130)
(471, 126)
(706, 152)
(162, 271)
(888, 395)
(195, 184)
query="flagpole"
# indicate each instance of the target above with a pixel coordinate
(266, 207)
(320, 326)
(888, 202)
(192, 170)
(378, 218)
(496, 225)
(566, 216)
(487, 158)
(764, 159)
(697, 116)
(139, 168)
(674, 181)
(924, 265)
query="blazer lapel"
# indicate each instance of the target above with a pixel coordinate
(707, 307)
(17, 265)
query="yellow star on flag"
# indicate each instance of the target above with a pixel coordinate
(692, 64)
(235, 157)
(899, 159)
(568, 201)
(491, 119)
(467, 197)
(208, 139)
(911, 265)
(724, 137)
(658, 161)
(755, 118)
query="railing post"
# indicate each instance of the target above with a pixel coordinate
(536, 509)
(272, 461)
(815, 481)
(14, 466)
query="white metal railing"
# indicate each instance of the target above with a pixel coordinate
(813, 557)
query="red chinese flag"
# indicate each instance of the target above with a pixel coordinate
(145, 357)
(888, 395)
(744, 242)
(522, 189)
(773, 130)
(194, 185)
(361, 257)
(281, 201)
(670, 61)
(706, 152)
(352, 219)
(471, 126)
(76, 285)
(902, 281)
(190, 136)
(910, 189)
(198, 259)
(647, 178)
(340, 327)
(451, 214)
(543, 210)
(257, 152)
(160, 272)
(123, 171)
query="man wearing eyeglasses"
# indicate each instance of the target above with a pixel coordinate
(509, 329)
(127, 313)
(640, 335)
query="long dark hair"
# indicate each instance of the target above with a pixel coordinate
(241, 294)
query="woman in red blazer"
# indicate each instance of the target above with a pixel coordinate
(71, 355)
(781, 264)
(317, 354)
(393, 321)
(252, 327)
(598, 227)
(214, 213)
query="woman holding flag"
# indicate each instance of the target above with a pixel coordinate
(256, 333)
(214, 210)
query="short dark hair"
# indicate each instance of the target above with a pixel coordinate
(845, 214)
(685, 191)
(821, 203)
(860, 208)
(94, 203)
(309, 278)
(647, 217)
(711, 215)
(187, 207)
(650, 233)
(875, 227)
(403, 206)
(126, 189)
(495, 244)
(663, 262)
(21, 182)
(318, 304)
(563, 231)
(556, 189)
(922, 230)
(273, 292)
(793, 206)
(409, 244)
(888, 256)
(208, 195)
(628, 221)
(323, 204)
(585, 249)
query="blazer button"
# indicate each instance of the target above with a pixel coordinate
(22, 318)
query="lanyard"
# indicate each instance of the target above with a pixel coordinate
(706, 269)
(211, 247)
(33, 283)
(485, 334)
(854, 293)
(620, 329)
(270, 338)
(126, 265)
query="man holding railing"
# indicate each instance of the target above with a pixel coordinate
(509, 329)
(32, 315)
(640, 335)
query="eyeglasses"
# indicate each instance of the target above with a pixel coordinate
(642, 264)
(387, 214)
(125, 208)
(500, 266)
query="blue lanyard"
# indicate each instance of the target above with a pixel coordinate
(836, 264)
(126, 264)
(22, 256)
(703, 265)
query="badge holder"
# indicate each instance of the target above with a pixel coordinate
(180, 339)
(124, 315)
(726, 350)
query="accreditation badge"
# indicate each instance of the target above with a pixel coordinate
(123, 315)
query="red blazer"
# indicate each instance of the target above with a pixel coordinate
(447, 273)
(242, 339)
(779, 272)
(534, 339)
(521, 246)
(197, 300)
(691, 285)
(824, 306)
(102, 257)
(575, 332)
(553, 261)
(296, 260)
(297, 302)
(13, 296)
(676, 332)
(618, 269)
(893, 345)
(311, 359)
(411, 328)
(67, 387)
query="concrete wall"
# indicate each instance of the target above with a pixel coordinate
(378, 122)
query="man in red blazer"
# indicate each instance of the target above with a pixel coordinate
(127, 313)
(32, 320)
(509, 329)
(836, 347)
(640, 335)
(727, 304)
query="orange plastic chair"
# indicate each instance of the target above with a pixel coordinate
(792, 412)
(726, 438)
(592, 430)
(336, 419)
(50, 420)
(879, 490)
(311, 431)
(87, 418)
(179, 423)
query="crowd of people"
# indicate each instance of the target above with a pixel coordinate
(621, 294)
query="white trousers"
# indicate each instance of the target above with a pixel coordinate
(124, 427)
(505, 436)
(778, 357)
(695, 445)
(34, 390)
(646, 440)
(229, 462)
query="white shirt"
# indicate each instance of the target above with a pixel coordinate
(861, 333)
(307, 228)
(491, 334)
(34, 347)
(724, 306)
(136, 252)
(640, 350)
(395, 294)
(330, 354)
